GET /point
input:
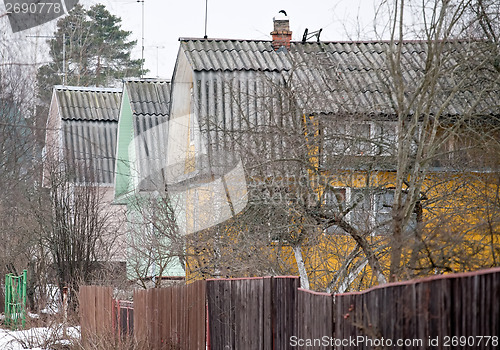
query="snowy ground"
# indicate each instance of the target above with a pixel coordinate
(39, 338)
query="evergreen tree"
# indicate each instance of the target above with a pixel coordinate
(95, 51)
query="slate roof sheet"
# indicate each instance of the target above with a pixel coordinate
(89, 126)
(149, 97)
(150, 103)
(81, 103)
(345, 76)
(90, 147)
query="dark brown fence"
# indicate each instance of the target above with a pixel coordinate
(460, 311)
(251, 313)
(315, 318)
(171, 318)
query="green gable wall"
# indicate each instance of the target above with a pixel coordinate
(125, 157)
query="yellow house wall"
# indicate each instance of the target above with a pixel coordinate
(457, 205)
(458, 224)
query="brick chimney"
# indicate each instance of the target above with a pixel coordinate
(281, 33)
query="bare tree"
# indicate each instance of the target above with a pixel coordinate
(156, 247)
(289, 211)
(76, 229)
(18, 164)
(430, 110)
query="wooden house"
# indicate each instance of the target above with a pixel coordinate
(79, 152)
(355, 157)
(152, 245)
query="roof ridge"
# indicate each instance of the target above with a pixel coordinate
(384, 41)
(151, 114)
(76, 119)
(87, 88)
(146, 80)
(220, 39)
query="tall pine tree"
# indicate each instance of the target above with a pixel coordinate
(96, 52)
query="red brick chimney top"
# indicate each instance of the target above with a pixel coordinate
(281, 33)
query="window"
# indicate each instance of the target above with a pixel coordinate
(360, 138)
(335, 139)
(361, 204)
(369, 210)
(335, 199)
(382, 207)
(386, 138)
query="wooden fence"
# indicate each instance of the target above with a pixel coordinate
(456, 311)
(252, 313)
(171, 318)
(459, 311)
(96, 313)
(314, 314)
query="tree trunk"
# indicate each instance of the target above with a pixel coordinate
(304, 279)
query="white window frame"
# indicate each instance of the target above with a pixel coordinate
(375, 130)
(372, 211)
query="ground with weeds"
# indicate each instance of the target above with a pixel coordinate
(40, 335)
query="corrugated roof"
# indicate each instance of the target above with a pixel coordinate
(90, 148)
(79, 103)
(149, 97)
(90, 122)
(230, 55)
(330, 77)
(244, 88)
(89, 126)
(150, 104)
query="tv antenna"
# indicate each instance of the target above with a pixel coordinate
(157, 58)
(308, 35)
(206, 16)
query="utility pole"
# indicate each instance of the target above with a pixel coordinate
(64, 59)
(157, 59)
(142, 51)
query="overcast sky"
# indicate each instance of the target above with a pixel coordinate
(165, 21)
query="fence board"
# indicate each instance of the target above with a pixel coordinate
(252, 313)
(460, 305)
(96, 313)
(173, 317)
(314, 317)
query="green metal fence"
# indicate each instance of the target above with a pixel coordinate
(15, 300)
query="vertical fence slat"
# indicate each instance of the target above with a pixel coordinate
(263, 313)
(173, 317)
(460, 305)
(96, 313)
